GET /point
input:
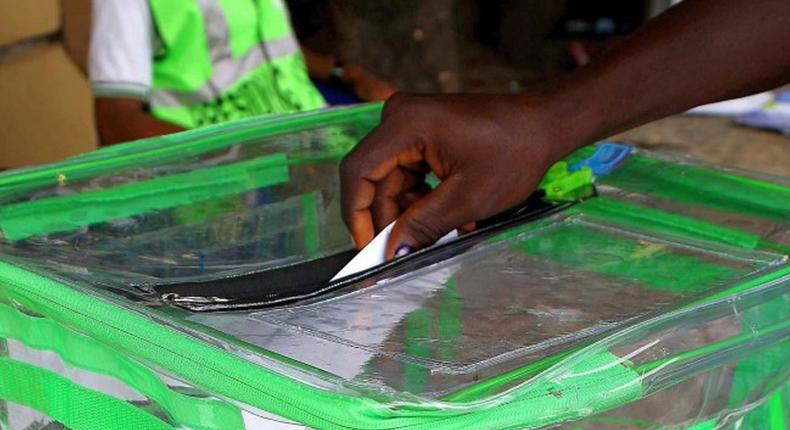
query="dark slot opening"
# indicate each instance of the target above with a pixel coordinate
(268, 286)
(311, 278)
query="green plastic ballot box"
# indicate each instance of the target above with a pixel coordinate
(184, 282)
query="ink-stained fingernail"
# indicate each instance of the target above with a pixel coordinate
(402, 251)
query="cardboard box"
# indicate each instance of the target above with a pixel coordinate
(25, 19)
(77, 30)
(46, 108)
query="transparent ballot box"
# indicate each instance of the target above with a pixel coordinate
(185, 282)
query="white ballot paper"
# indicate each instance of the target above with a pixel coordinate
(373, 253)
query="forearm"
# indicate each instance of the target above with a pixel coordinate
(698, 52)
(494, 150)
(124, 120)
(318, 65)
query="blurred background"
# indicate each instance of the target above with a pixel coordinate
(46, 104)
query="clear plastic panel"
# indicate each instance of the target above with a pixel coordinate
(750, 202)
(14, 416)
(520, 297)
(762, 229)
(226, 209)
(600, 305)
(725, 367)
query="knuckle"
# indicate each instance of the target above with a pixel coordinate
(349, 168)
(394, 102)
(422, 230)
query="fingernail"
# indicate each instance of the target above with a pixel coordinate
(402, 250)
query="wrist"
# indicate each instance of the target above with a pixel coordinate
(573, 110)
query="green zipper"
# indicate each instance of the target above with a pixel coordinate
(161, 150)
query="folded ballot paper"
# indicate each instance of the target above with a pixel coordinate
(373, 254)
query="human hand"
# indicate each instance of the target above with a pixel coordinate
(489, 152)
(367, 86)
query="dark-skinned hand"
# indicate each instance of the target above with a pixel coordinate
(489, 152)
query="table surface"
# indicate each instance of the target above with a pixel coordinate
(715, 140)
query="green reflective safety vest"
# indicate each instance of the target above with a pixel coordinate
(247, 62)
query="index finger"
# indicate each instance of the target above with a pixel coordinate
(376, 156)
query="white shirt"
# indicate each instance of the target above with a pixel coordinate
(121, 49)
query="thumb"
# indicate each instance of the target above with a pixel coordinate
(429, 218)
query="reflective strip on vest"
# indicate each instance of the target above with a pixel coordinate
(227, 59)
(227, 71)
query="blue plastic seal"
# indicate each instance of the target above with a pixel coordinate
(607, 157)
(782, 96)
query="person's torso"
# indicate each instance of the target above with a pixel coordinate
(219, 60)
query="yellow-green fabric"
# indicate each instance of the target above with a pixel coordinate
(262, 62)
(185, 64)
